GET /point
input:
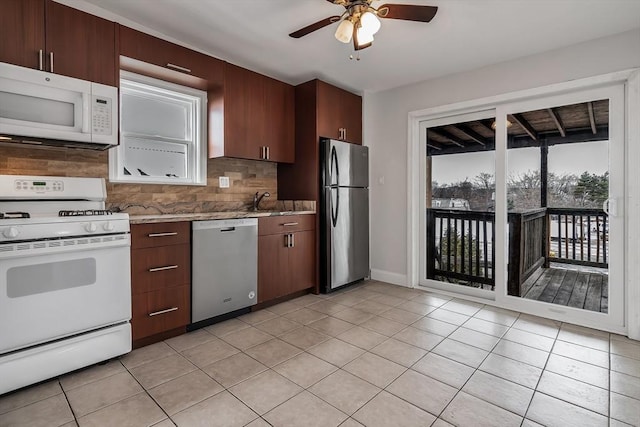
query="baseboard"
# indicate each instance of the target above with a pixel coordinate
(389, 277)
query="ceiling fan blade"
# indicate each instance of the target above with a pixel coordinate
(313, 27)
(407, 12)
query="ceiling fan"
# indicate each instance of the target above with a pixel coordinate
(360, 20)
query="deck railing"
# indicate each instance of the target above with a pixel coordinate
(527, 247)
(578, 236)
(460, 246)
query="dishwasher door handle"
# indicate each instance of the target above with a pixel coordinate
(222, 230)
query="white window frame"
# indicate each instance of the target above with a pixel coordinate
(196, 144)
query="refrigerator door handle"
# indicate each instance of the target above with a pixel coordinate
(335, 206)
(334, 164)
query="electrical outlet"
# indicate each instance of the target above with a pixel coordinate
(224, 182)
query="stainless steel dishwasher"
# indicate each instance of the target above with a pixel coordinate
(224, 267)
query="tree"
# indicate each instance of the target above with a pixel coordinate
(592, 190)
(485, 181)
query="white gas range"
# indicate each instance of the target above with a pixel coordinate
(65, 282)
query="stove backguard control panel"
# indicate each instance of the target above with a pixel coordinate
(20, 187)
(38, 187)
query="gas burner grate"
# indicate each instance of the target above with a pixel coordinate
(14, 215)
(87, 212)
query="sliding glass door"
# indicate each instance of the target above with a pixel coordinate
(522, 204)
(561, 194)
(458, 191)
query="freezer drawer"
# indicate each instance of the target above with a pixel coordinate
(346, 234)
(224, 267)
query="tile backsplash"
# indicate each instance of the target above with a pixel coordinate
(246, 177)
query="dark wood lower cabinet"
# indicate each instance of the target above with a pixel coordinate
(160, 281)
(273, 261)
(302, 261)
(286, 258)
(159, 311)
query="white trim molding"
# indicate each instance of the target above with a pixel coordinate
(390, 277)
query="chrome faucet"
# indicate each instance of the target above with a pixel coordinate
(257, 198)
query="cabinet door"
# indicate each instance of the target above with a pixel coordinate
(329, 114)
(243, 113)
(21, 32)
(83, 45)
(302, 257)
(280, 120)
(351, 106)
(144, 47)
(273, 267)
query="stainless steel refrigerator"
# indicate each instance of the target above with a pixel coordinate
(344, 210)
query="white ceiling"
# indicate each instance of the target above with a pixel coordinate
(464, 35)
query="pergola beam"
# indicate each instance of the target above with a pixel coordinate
(524, 124)
(556, 119)
(446, 135)
(470, 133)
(592, 117)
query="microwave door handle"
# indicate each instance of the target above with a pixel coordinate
(86, 109)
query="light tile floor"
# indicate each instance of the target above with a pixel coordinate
(373, 355)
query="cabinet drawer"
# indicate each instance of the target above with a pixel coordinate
(159, 311)
(160, 234)
(159, 268)
(285, 224)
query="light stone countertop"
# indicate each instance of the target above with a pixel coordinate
(146, 219)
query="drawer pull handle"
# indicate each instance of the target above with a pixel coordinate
(289, 224)
(168, 310)
(171, 233)
(179, 68)
(168, 267)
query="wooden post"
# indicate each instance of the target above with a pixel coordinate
(515, 253)
(544, 178)
(544, 172)
(429, 183)
(431, 243)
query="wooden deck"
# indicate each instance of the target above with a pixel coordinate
(587, 289)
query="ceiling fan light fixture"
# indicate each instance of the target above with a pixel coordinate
(370, 22)
(493, 124)
(344, 31)
(362, 38)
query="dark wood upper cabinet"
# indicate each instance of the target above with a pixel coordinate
(152, 50)
(339, 113)
(321, 110)
(258, 116)
(82, 45)
(52, 37)
(22, 32)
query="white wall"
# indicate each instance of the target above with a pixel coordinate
(386, 118)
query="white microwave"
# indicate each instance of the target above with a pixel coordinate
(42, 108)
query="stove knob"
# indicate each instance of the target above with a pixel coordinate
(11, 232)
(108, 226)
(91, 227)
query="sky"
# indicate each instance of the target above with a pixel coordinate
(563, 159)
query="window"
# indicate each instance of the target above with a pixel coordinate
(162, 133)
